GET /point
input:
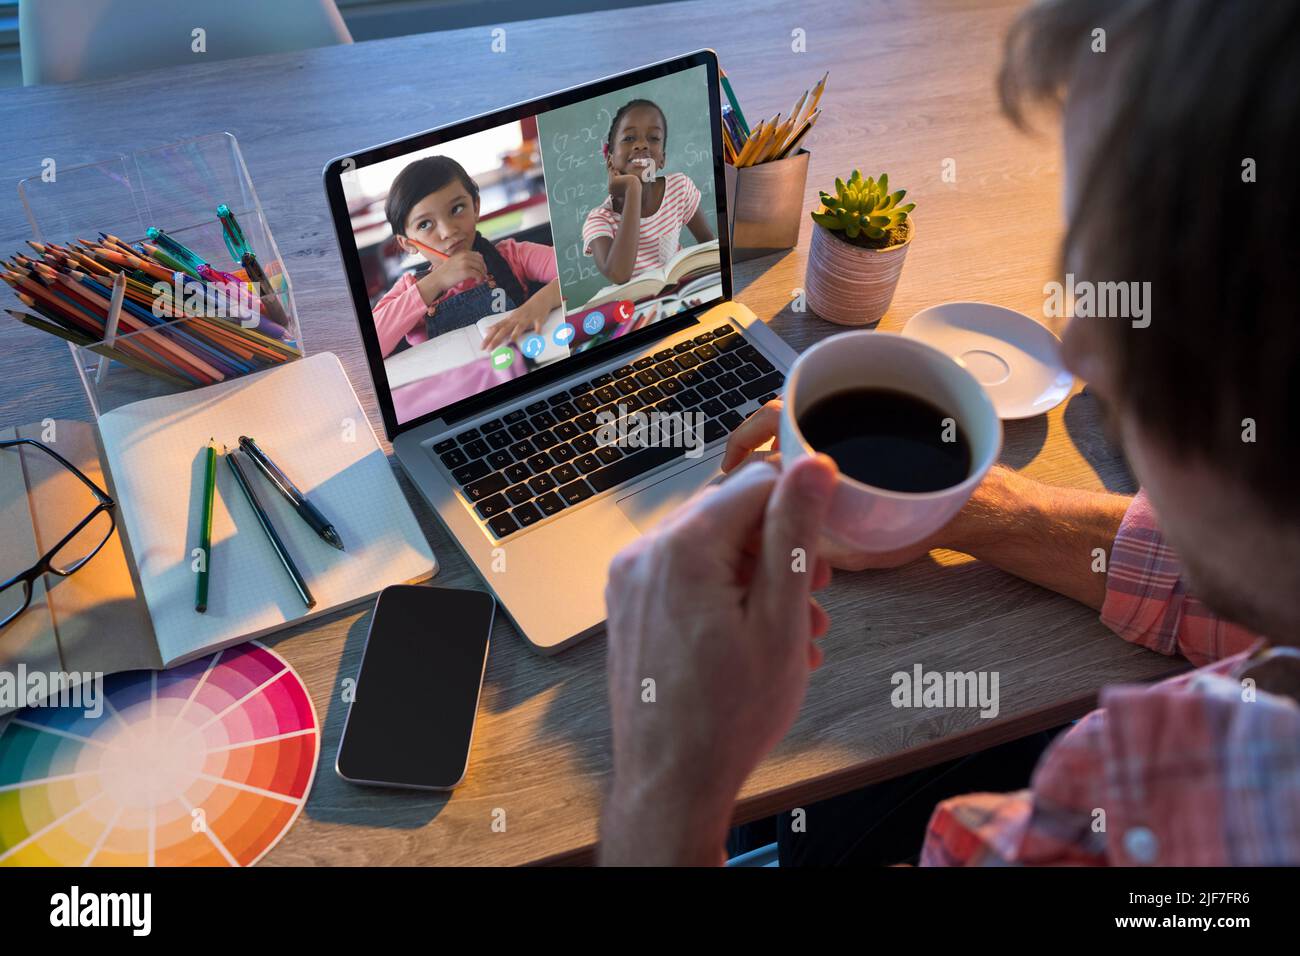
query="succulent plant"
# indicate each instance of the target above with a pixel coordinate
(865, 211)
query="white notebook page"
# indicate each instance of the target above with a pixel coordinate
(307, 419)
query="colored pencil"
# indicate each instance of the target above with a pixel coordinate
(78, 338)
(77, 307)
(733, 127)
(53, 328)
(104, 295)
(205, 527)
(417, 242)
(158, 254)
(137, 319)
(735, 107)
(120, 259)
(773, 139)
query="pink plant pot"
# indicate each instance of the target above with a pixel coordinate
(848, 284)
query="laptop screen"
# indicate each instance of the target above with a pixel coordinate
(488, 253)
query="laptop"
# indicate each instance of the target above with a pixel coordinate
(602, 405)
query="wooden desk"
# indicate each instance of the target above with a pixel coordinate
(911, 86)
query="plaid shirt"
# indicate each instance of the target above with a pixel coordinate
(1199, 770)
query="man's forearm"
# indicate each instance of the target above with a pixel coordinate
(680, 827)
(1042, 533)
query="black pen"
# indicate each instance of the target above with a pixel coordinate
(309, 512)
(265, 521)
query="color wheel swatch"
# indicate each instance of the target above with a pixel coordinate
(206, 764)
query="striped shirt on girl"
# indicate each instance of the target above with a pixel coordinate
(660, 234)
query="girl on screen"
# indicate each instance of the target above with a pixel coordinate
(638, 227)
(433, 209)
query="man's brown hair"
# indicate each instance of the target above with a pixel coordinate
(1192, 186)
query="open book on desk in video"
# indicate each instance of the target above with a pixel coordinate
(687, 265)
(462, 346)
(132, 605)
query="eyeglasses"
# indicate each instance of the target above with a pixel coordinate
(71, 553)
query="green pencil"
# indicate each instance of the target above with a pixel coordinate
(735, 106)
(205, 532)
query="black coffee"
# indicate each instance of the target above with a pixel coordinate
(889, 439)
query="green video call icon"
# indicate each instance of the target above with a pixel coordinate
(503, 356)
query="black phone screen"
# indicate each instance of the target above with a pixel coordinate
(416, 696)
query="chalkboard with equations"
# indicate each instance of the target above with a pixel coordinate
(574, 163)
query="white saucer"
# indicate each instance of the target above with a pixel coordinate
(1017, 360)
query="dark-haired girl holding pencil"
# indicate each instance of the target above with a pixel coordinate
(433, 209)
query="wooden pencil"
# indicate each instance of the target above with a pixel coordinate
(75, 314)
(760, 141)
(71, 290)
(728, 149)
(818, 90)
(133, 322)
(130, 261)
(171, 339)
(778, 140)
(52, 328)
(792, 123)
(66, 318)
(751, 144)
(797, 138)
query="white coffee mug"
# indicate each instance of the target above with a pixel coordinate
(863, 517)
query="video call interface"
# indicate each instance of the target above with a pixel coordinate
(490, 256)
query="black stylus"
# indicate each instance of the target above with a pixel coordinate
(309, 512)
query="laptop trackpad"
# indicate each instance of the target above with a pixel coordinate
(648, 506)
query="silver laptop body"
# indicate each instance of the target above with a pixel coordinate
(587, 498)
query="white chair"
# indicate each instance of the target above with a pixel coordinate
(66, 40)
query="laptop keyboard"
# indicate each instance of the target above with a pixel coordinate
(535, 461)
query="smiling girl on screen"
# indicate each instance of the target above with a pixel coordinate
(639, 226)
(433, 209)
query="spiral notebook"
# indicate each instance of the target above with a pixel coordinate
(132, 605)
(306, 417)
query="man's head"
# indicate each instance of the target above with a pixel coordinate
(1181, 133)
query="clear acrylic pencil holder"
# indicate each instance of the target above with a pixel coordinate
(174, 336)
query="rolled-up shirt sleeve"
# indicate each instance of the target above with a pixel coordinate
(1147, 601)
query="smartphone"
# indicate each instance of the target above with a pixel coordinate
(412, 719)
